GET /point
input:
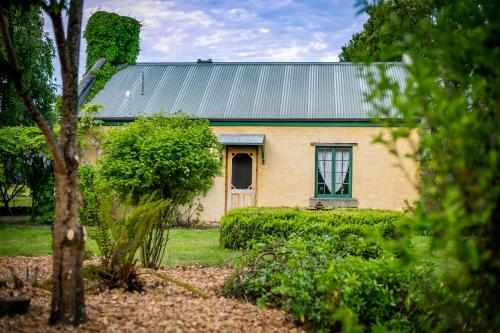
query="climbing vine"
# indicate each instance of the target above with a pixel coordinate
(113, 37)
(101, 77)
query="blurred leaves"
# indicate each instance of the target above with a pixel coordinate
(453, 89)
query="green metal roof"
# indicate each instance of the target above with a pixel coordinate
(243, 91)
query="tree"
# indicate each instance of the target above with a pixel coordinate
(379, 42)
(453, 88)
(34, 50)
(67, 305)
(175, 157)
(25, 163)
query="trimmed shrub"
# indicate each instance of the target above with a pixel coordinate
(240, 228)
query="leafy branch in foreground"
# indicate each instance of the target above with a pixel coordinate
(453, 90)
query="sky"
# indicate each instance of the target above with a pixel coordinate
(234, 31)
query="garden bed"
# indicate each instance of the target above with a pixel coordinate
(162, 307)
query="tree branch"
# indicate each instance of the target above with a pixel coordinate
(74, 32)
(14, 73)
(17, 189)
(54, 11)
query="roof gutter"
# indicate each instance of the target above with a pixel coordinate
(369, 120)
(352, 122)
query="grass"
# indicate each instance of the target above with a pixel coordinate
(196, 247)
(184, 247)
(21, 201)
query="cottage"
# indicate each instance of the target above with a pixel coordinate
(294, 134)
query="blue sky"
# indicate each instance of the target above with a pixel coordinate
(252, 30)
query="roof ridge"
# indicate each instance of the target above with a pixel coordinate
(166, 63)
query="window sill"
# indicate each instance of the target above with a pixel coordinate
(335, 202)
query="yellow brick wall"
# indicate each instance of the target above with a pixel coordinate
(287, 177)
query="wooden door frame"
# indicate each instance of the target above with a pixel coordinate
(229, 170)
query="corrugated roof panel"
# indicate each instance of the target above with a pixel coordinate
(126, 99)
(243, 92)
(279, 91)
(157, 100)
(193, 89)
(295, 92)
(166, 94)
(326, 92)
(217, 93)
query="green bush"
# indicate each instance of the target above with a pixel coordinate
(242, 227)
(89, 202)
(333, 283)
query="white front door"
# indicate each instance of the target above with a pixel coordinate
(241, 177)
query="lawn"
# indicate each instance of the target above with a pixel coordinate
(185, 247)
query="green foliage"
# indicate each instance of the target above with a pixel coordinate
(113, 37)
(89, 128)
(34, 51)
(120, 232)
(175, 156)
(88, 212)
(102, 76)
(326, 284)
(25, 164)
(453, 87)
(378, 42)
(43, 196)
(240, 228)
(87, 123)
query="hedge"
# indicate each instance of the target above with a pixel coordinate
(242, 227)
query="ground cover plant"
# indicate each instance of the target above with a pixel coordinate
(119, 233)
(240, 228)
(340, 282)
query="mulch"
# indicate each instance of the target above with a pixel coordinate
(162, 307)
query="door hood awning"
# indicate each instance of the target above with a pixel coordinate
(243, 140)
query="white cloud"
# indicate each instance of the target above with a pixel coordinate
(239, 30)
(332, 57)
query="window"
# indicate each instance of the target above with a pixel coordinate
(333, 172)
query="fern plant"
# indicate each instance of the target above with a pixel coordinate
(119, 234)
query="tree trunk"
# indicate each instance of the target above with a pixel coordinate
(68, 303)
(6, 206)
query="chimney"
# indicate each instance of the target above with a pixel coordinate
(407, 60)
(207, 61)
